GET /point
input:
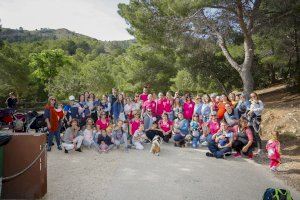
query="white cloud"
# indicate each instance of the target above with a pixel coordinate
(95, 18)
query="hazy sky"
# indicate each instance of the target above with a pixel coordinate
(94, 18)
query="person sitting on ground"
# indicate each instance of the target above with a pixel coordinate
(243, 139)
(166, 126)
(104, 142)
(119, 135)
(206, 135)
(153, 131)
(221, 142)
(139, 137)
(72, 138)
(195, 130)
(180, 129)
(230, 116)
(88, 134)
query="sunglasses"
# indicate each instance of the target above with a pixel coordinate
(53, 99)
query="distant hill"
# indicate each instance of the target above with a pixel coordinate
(21, 35)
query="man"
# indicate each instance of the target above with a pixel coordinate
(72, 139)
(12, 101)
(221, 142)
(112, 98)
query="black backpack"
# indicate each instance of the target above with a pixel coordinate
(277, 194)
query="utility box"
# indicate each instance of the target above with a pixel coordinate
(20, 153)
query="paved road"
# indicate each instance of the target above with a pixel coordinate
(176, 174)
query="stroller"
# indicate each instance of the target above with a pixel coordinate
(35, 121)
(15, 121)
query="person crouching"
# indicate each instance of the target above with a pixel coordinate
(72, 139)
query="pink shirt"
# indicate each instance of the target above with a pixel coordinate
(165, 126)
(135, 124)
(214, 127)
(144, 97)
(150, 104)
(188, 110)
(102, 125)
(168, 105)
(160, 106)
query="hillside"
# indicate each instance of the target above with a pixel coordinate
(18, 35)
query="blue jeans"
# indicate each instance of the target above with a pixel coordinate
(57, 138)
(216, 151)
(178, 137)
(195, 141)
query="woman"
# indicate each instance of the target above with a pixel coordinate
(128, 108)
(72, 139)
(255, 111)
(213, 123)
(136, 104)
(168, 105)
(188, 108)
(52, 120)
(91, 103)
(103, 122)
(105, 105)
(205, 109)
(180, 129)
(232, 100)
(243, 140)
(221, 107)
(83, 110)
(198, 105)
(166, 127)
(118, 109)
(150, 103)
(177, 108)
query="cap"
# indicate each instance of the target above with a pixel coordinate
(71, 98)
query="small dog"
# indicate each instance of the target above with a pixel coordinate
(155, 148)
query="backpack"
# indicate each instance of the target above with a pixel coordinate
(277, 194)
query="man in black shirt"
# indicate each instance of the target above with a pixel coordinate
(12, 101)
(112, 98)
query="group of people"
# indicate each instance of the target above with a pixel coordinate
(219, 122)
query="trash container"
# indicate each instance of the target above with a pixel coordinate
(4, 139)
(25, 167)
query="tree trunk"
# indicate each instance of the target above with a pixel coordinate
(247, 78)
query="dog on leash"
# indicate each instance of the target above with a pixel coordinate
(156, 142)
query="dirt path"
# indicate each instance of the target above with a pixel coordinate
(176, 174)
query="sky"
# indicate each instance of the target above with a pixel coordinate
(95, 18)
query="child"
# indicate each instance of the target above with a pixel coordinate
(194, 126)
(273, 148)
(88, 134)
(119, 135)
(138, 137)
(104, 142)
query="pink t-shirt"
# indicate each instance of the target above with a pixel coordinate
(150, 104)
(144, 97)
(102, 125)
(160, 106)
(214, 127)
(168, 105)
(135, 124)
(165, 126)
(188, 110)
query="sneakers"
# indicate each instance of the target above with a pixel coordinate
(209, 154)
(66, 151)
(273, 169)
(237, 155)
(59, 148)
